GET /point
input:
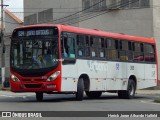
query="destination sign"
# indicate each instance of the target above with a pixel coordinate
(36, 32)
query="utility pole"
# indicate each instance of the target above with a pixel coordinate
(2, 45)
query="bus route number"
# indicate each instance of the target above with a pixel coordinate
(131, 67)
(117, 66)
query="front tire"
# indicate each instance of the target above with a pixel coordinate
(39, 96)
(80, 90)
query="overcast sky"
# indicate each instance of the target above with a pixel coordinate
(15, 6)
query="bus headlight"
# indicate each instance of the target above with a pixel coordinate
(14, 78)
(53, 76)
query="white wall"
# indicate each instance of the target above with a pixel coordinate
(10, 24)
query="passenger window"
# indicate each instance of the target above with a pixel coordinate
(87, 41)
(93, 44)
(83, 45)
(112, 49)
(102, 43)
(137, 47)
(123, 50)
(68, 47)
(80, 40)
(80, 45)
(97, 45)
(130, 51)
(149, 54)
(101, 50)
(116, 44)
(129, 45)
(138, 52)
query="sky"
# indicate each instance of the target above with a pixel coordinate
(15, 6)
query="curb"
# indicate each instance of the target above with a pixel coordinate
(5, 89)
(148, 92)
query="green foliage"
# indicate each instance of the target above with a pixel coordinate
(157, 100)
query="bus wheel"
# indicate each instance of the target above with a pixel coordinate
(130, 92)
(94, 94)
(39, 96)
(80, 90)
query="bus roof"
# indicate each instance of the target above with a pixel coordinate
(96, 32)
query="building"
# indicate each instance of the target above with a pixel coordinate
(133, 17)
(119, 16)
(10, 23)
(50, 10)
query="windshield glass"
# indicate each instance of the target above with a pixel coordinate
(34, 53)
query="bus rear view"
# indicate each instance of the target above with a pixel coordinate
(34, 60)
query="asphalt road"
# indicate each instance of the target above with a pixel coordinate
(108, 102)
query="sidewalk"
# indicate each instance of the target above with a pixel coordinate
(4, 89)
(148, 92)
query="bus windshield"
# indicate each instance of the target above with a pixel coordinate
(34, 53)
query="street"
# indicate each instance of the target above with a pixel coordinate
(108, 102)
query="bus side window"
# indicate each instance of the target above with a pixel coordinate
(113, 49)
(102, 48)
(71, 47)
(94, 43)
(149, 53)
(130, 51)
(87, 46)
(106, 46)
(80, 45)
(138, 52)
(123, 46)
(64, 47)
(68, 47)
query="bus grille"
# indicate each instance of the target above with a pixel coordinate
(33, 85)
(35, 80)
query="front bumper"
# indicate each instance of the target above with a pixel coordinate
(33, 87)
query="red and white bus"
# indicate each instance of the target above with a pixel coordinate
(57, 59)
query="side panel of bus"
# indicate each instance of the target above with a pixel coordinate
(136, 70)
(97, 72)
(69, 78)
(150, 76)
(106, 76)
(117, 77)
(145, 74)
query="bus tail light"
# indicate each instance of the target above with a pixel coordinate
(14, 78)
(53, 76)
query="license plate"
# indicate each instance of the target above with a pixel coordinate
(51, 86)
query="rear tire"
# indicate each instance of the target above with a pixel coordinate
(130, 92)
(80, 90)
(94, 94)
(39, 96)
